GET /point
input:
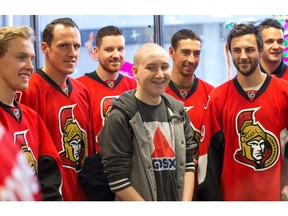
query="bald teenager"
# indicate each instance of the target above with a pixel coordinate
(152, 158)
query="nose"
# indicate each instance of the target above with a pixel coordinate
(116, 54)
(159, 73)
(73, 51)
(276, 45)
(191, 58)
(29, 65)
(243, 54)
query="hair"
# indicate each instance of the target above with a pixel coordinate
(8, 33)
(270, 23)
(48, 31)
(107, 31)
(244, 29)
(182, 35)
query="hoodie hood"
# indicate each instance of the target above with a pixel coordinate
(127, 103)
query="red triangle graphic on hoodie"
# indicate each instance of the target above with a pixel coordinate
(162, 148)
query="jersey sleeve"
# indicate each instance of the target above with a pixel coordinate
(49, 165)
(116, 150)
(190, 144)
(210, 153)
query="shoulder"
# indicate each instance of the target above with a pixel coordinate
(223, 87)
(172, 102)
(78, 84)
(30, 113)
(126, 102)
(84, 77)
(81, 78)
(26, 109)
(205, 86)
(129, 81)
(36, 79)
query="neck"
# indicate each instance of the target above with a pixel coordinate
(8, 98)
(105, 75)
(148, 100)
(270, 67)
(181, 81)
(58, 77)
(253, 80)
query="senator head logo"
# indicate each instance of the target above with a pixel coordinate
(21, 141)
(74, 139)
(259, 148)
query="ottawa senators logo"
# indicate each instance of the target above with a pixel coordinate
(74, 139)
(21, 141)
(259, 149)
(106, 107)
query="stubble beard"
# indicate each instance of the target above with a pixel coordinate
(246, 71)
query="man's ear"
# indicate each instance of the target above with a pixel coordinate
(171, 52)
(135, 72)
(96, 52)
(44, 47)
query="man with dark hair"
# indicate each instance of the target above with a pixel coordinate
(104, 84)
(242, 151)
(185, 53)
(63, 102)
(271, 60)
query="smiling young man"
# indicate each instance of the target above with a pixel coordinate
(146, 144)
(243, 148)
(185, 52)
(63, 102)
(106, 82)
(271, 60)
(25, 125)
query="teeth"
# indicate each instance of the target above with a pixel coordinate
(24, 76)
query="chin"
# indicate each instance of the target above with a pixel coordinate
(22, 87)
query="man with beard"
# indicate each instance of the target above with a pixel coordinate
(106, 82)
(242, 115)
(271, 60)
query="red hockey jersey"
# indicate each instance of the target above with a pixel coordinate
(280, 72)
(102, 95)
(17, 181)
(194, 102)
(66, 113)
(242, 143)
(34, 140)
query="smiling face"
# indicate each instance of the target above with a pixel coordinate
(151, 70)
(245, 54)
(273, 39)
(186, 57)
(16, 65)
(62, 55)
(110, 53)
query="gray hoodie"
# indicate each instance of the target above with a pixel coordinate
(124, 146)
